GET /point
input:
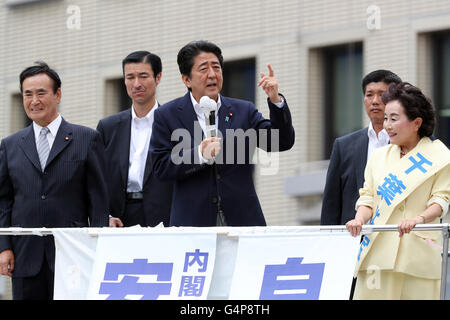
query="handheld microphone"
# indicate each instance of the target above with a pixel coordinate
(209, 107)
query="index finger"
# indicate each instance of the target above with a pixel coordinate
(270, 70)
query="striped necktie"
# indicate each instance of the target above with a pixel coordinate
(43, 148)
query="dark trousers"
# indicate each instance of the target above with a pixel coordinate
(39, 287)
(134, 214)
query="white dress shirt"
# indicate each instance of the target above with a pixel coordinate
(376, 141)
(201, 115)
(202, 122)
(141, 131)
(53, 130)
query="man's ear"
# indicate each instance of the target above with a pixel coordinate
(58, 95)
(186, 80)
(158, 78)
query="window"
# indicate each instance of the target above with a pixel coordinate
(116, 96)
(441, 83)
(239, 79)
(342, 97)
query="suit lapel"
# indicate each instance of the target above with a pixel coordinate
(147, 170)
(124, 138)
(28, 146)
(225, 115)
(361, 147)
(187, 114)
(188, 119)
(62, 140)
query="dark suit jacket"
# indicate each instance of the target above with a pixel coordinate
(116, 132)
(345, 177)
(71, 192)
(197, 187)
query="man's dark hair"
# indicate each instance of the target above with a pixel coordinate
(187, 54)
(415, 105)
(144, 57)
(40, 67)
(385, 76)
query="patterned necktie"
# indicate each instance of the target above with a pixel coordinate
(43, 148)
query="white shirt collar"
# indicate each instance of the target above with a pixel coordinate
(52, 126)
(197, 108)
(148, 116)
(382, 135)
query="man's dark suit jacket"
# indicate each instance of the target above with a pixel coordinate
(345, 177)
(71, 192)
(197, 187)
(116, 132)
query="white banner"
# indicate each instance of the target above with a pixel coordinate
(306, 266)
(153, 266)
(75, 256)
(204, 263)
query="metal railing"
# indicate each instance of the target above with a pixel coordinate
(366, 229)
(444, 227)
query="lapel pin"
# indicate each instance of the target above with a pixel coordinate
(66, 138)
(227, 118)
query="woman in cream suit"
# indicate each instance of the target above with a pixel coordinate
(406, 183)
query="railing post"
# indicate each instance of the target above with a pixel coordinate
(445, 235)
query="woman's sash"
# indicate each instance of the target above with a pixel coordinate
(402, 179)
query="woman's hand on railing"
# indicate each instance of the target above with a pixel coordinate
(354, 226)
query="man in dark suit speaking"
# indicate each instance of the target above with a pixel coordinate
(51, 175)
(137, 197)
(193, 147)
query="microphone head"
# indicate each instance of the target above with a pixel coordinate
(208, 104)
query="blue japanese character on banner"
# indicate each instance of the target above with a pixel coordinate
(376, 215)
(364, 243)
(303, 281)
(191, 286)
(390, 188)
(129, 285)
(418, 164)
(200, 258)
